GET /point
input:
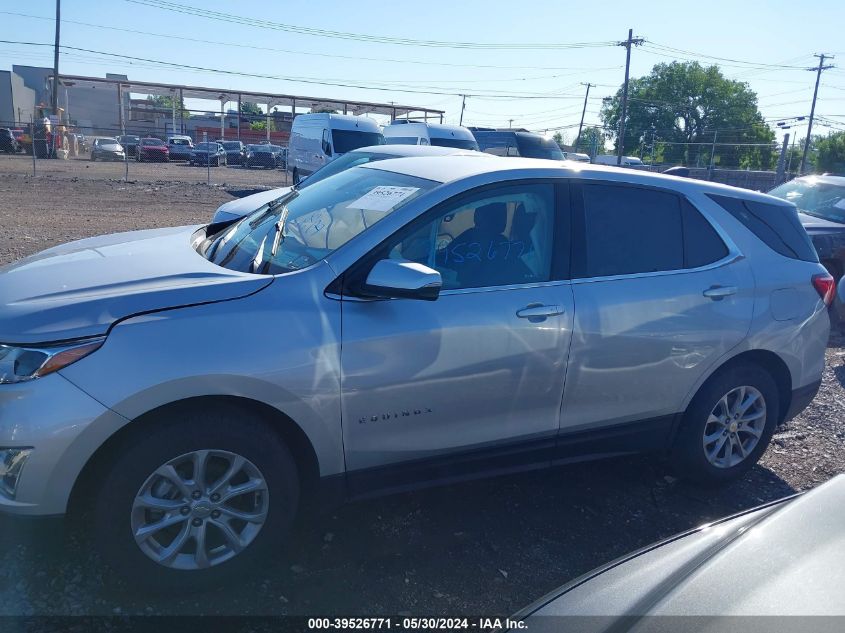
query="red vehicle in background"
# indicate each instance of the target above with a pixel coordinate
(152, 149)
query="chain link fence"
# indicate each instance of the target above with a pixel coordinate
(130, 155)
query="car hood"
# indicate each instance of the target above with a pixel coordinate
(240, 207)
(81, 288)
(787, 558)
(813, 224)
(111, 147)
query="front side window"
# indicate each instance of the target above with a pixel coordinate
(401, 140)
(498, 238)
(630, 230)
(459, 143)
(348, 140)
(302, 228)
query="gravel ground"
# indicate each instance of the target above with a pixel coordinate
(486, 547)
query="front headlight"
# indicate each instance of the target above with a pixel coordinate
(11, 465)
(18, 364)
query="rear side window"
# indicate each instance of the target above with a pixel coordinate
(629, 230)
(702, 245)
(778, 226)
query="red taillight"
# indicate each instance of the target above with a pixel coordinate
(825, 286)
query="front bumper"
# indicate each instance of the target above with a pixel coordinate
(64, 426)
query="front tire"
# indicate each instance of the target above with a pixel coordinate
(727, 426)
(199, 497)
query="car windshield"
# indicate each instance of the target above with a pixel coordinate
(152, 142)
(348, 140)
(265, 148)
(206, 147)
(305, 226)
(820, 199)
(129, 139)
(232, 145)
(538, 147)
(352, 159)
(401, 140)
(179, 141)
(460, 143)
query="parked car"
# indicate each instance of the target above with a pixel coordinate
(577, 157)
(206, 154)
(520, 142)
(235, 152)
(263, 155)
(153, 150)
(821, 209)
(240, 207)
(129, 142)
(780, 560)
(24, 139)
(417, 133)
(611, 159)
(8, 142)
(107, 149)
(317, 139)
(180, 147)
(410, 322)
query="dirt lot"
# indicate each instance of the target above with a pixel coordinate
(486, 548)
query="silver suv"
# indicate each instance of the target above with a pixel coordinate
(401, 323)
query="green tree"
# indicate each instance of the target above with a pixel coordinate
(166, 103)
(591, 141)
(557, 137)
(686, 104)
(261, 126)
(250, 109)
(829, 153)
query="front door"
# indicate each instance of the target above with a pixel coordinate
(482, 366)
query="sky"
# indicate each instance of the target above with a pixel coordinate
(519, 63)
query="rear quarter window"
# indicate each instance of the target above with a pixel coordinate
(776, 225)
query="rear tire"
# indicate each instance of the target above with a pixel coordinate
(713, 445)
(132, 484)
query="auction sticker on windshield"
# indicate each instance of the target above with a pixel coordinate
(382, 198)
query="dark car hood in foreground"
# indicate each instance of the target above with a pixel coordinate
(787, 558)
(81, 288)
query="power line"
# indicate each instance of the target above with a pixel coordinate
(356, 58)
(359, 37)
(310, 80)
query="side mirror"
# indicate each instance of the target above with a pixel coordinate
(402, 279)
(327, 148)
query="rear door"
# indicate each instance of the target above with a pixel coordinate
(660, 293)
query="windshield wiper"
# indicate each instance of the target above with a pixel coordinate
(278, 238)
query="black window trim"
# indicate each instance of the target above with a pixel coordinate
(344, 286)
(579, 232)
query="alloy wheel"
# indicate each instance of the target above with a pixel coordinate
(199, 509)
(734, 427)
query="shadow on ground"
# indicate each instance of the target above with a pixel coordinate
(486, 547)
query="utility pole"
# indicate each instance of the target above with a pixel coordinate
(583, 112)
(631, 41)
(510, 123)
(463, 105)
(713, 154)
(818, 70)
(55, 95)
(782, 159)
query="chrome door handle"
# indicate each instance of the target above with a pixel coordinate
(537, 311)
(719, 292)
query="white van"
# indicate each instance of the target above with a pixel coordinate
(317, 139)
(610, 159)
(437, 134)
